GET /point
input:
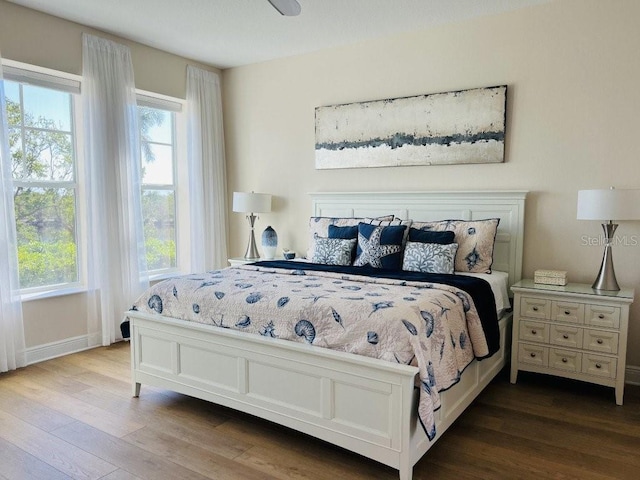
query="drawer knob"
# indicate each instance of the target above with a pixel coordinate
(598, 365)
(534, 332)
(533, 355)
(534, 308)
(599, 341)
(564, 360)
(567, 312)
(601, 316)
(565, 336)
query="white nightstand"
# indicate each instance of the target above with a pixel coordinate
(234, 262)
(571, 331)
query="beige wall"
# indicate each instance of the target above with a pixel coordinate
(573, 72)
(38, 39)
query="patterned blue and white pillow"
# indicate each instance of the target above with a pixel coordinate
(333, 251)
(429, 257)
(475, 238)
(319, 226)
(345, 232)
(380, 247)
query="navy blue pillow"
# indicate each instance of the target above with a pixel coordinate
(380, 247)
(430, 236)
(346, 233)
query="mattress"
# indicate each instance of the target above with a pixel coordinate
(499, 282)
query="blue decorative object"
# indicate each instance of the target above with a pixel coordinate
(288, 254)
(269, 243)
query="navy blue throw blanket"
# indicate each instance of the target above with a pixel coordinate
(478, 289)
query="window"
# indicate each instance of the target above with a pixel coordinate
(158, 154)
(42, 143)
(46, 164)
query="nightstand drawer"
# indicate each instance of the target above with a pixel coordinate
(565, 360)
(599, 366)
(533, 355)
(565, 336)
(601, 316)
(535, 308)
(599, 341)
(533, 331)
(567, 312)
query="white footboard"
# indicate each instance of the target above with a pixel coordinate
(362, 404)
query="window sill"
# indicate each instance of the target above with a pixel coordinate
(59, 292)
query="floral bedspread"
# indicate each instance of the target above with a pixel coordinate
(433, 326)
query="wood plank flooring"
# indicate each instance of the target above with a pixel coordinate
(74, 418)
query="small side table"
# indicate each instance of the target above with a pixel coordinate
(571, 331)
(235, 261)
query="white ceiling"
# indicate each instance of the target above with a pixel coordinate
(229, 33)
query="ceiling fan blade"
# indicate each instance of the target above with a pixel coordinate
(290, 8)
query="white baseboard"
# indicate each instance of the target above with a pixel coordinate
(632, 375)
(47, 351)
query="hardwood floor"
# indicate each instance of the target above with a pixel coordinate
(74, 417)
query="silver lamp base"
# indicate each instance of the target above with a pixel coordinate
(252, 250)
(606, 279)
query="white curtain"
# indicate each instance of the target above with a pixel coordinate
(116, 261)
(12, 348)
(207, 171)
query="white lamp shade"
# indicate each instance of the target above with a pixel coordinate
(609, 204)
(251, 202)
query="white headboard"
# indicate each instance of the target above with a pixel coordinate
(508, 206)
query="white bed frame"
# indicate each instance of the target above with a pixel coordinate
(365, 405)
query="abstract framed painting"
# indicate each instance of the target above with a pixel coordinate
(465, 126)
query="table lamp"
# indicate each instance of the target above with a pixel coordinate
(608, 205)
(251, 203)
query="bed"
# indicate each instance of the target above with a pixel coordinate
(320, 391)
